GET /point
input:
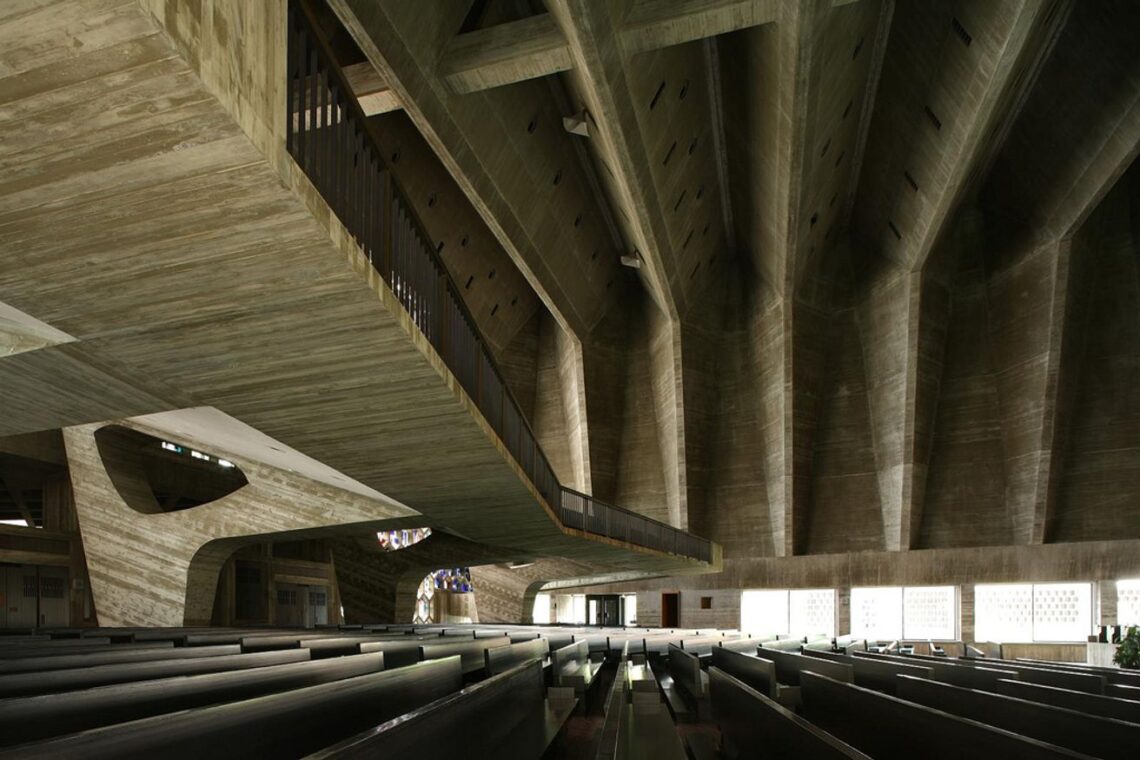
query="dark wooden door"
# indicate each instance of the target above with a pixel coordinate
(669, 610)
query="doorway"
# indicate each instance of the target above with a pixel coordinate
(604, 609)
(670, 608)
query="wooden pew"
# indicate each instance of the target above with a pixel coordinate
(25, 719)
(111, 656)
(754, 726)
(11, 646)
(790, 665)
(1122, 692)
(398, 653)
(471, 652)
(506, 716)
(949, 671)
(1111, 675)
(888, 728)
(756, 673)
(501, 659)
(876, 673)
(746, 646)
(558, 639)
(1090, 734)
(572, 667)
(1093, 704)
(289, 724)
(29, 684)
(783, 645)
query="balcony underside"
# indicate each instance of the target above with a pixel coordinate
(139, 217)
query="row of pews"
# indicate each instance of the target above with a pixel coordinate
(512, 691)
(358, 692)
(331, 692)
(854, 703)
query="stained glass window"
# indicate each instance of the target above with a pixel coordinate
(394, 540)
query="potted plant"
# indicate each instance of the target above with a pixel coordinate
(1128, 653)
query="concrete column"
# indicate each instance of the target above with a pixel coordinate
(843, 610)
(1104, 613)
(966, 612)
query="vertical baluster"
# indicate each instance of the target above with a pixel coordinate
(311, 112)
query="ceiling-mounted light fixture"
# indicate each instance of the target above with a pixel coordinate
(519, 565)
(633, 261)
(577, 124)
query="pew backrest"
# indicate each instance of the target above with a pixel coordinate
(287, 724)
(1093, 704)
(789, 666)
(755, 672)
(685, 668)
(754, 725)
(111, 656)
(28, 684)
(26, 719)
(470, 652)
(501, 659)
(502, 716)
(888, 728)
(1091, 734)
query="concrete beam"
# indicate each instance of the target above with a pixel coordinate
(980, 124)
(504, 54)
(1090, 180)
(601, 84)
(653, 24)
(407, 66)
(371, 90)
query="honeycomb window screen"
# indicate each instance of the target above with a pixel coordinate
(1003, 612)
(764, 611)
(930, 612)
(1062, 611)
(1128, 601)
(811, 611)
(541, 614)
(877, 612)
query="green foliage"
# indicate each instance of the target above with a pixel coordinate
(1128, 654)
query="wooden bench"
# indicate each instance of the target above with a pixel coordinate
(949, 671)
(25, 719)
(752, 725)
(29, 684)
(571, 667)
(501, 659)
(876, 673)
(398, 653)
(686, 688)
(111, 656)
(509, 715)
(1090, 734)
(1093, 704)
(888, 728)
(471, 652)
(745, 646)
(791, 665)
(759, 674)
(288, 724)
(1121, 691)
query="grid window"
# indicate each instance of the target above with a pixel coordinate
(877, 613)
(1003, 612)
(1128, 602)
(1033, 612)
(930, 612)
(1062, 611)
(764, 612)
(811, 612)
